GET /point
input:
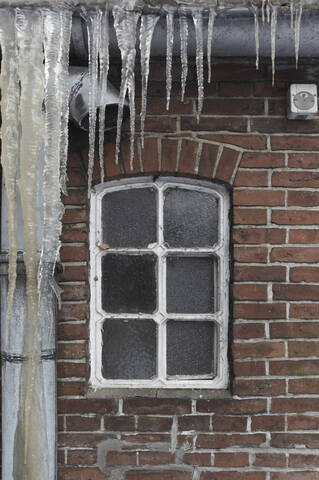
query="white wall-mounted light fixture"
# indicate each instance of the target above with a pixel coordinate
(302, 101)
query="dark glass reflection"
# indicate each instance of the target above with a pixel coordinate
(129, 218)
(190, 347)
(190, 218)
(190, 284)
(129, 348)
(129, 283)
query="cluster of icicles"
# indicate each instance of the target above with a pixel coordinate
(35, 109)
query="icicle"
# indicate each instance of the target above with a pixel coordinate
(125, 23)
(268, 11)
(198, 22)
(256, 20)
(273, 29)
(297, 30)
(9, 135)
(93, 29)
(210, 30)
(183, 29)
(263, 11)
(104, 62)
(148, 24)
(292, 8)
(169, 54)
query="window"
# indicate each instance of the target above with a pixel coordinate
(159, 284)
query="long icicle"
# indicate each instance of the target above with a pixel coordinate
(183, 31)
(256, 22)
(210, 31)
(297, 30)
(125, 24)
(198, 23)
(292, 10)
(93, 29)
(148, 23)
(9, 137)
(273, 30)
(104, 62)
(169, 54)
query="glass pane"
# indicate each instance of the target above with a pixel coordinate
(190, 348)
(190, 284)
(190, 218)
(129, 283)
(129, 218)
(129, 348)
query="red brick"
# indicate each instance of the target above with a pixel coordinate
(268, 423)
(294, 476)
(223, 423)
(294, 142)
(295, 217)
(187, 156)
(259, 311)
(74, 292)
(207, 160)
(290, 440)
(262, 160)
(270, 460)
(232, 406)
(240, 71)
(73, 311)
(259, 235)
(198, 459)
(294, 367)
(74, 273)
(76, 178)
(266, 89)
(249, 330)
(245, 106)
(303, 422)
(150, 155)
(259, 350)
(214, 124)
(259, 387)
(71, 388)
(248, 178)
(303, 198)
(295, 292)
(81, 440)
(259, 197)
(233, 475)
(249, 368)
(76, 473)
(67, 369)
(81, 457)
(160, 124)
(119, 423)
(294, 330)
(227, 164)
(72, 350)
(250, 254)
(83, 405)
(303, 160)
(250, 292)
(259, 274)
(169, 155)
(157, 106)
(249, 216)
(144, 441)
(75, 215)
(304, 274)
(75, 196)
(304, 236)
(156, 458)
(275, 125)
(74, 232)
(73, 254)
(303, 349)
(248, 142)
(111, 169)
(72, 331)
(294, 405)
(77, 423)
(231, 440)
(157, 406)
(295, 179)
(304, 310)
(300, 460)
(154, 424)
(232, 459)
(120, 458)
(234, 89)
(158, 475)
(295, 254)
(304, 386)
(194, 422)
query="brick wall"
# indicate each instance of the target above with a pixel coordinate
(267, 427)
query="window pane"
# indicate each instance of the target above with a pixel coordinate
(129, 348)
(190, 348)
(129, 283)
(129, 218)
(190, 218)
(190, 284)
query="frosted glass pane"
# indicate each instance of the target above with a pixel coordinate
(190, 348)
(190, 218)
(129, 218)
(190, 284)
(129, 348)
(129, 283)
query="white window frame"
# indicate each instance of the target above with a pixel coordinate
(220, 317)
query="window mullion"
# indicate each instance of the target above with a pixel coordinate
(161, 356)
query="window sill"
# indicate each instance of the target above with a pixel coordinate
(193, 394)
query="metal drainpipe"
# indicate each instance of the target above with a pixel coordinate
(11, 365)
